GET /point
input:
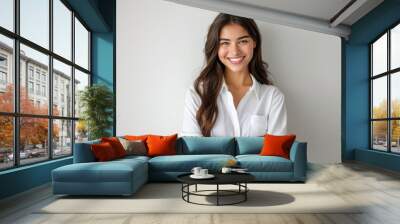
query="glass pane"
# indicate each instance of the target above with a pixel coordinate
(395, 47)
(62, 29)
(35, 21)
(7, 14)
(34, 97)
(33, 139)
(395, 136)
(6, 74)
(379, 100)
(395, 94)
(379, 55)
(62, 137)
(6, 142)
(379, 135)
(81, 45)
(81, 131)
(62, 89)
(81, 81)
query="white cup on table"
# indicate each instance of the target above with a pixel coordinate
(203, 172)
(196, 170)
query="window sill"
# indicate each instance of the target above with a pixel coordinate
(26, 167)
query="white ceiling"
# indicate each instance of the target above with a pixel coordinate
(314, 15)
(319, 9)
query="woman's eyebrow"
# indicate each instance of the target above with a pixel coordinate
(242, 37)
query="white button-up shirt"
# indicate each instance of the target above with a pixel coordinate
(261, 110)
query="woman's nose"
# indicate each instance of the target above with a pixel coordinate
(235, 49)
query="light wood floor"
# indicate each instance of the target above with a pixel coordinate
(353, 182)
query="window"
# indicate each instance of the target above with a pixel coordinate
(7, 14)
(38, 89)
(38, 74)
(3, 71)
(385, 91)
(62, 29)
(81, 45)
(30, 87)
(6, 86)
(3, 78)
(43, 90)
(55, 127)
(3, 61)
(62, 75)
(30, 72)
(35, 21)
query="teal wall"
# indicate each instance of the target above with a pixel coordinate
(24, 178)
(99, 15)
(356, 86)
(103, 51)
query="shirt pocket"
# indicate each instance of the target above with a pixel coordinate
(258, 125)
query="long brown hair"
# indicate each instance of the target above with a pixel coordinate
(209, 82)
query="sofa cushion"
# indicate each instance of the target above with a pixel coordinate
(277, 145)
(103, 152)
(116, 145)
(161, 145)
(249, 145)
(191, 145)
(185, 163)
(111, 171)
(134, 147)
(257, 163)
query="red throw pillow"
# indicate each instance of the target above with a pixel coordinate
(103, 151)
(116, 145)
(161, 145)
(277, 145)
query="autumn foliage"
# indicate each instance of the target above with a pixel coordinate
(380, 127)
(33, 131)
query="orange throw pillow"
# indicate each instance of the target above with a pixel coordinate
(116, 145)
(277, 145)
(136, 137)
(103, 151)
(161, 145)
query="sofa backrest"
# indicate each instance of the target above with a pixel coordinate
(191, 145)
(83, 152)
(249, 145)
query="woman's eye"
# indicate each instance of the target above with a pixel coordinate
(243, 41)
(224, 43)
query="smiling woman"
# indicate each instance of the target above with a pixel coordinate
(233, 95)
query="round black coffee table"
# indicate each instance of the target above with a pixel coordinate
(238, 179)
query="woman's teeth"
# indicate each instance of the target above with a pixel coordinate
(236, 60)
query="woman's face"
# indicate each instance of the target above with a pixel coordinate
(235, 48)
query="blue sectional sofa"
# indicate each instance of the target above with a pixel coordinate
(125, 176)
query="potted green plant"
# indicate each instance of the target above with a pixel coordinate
(96, 102)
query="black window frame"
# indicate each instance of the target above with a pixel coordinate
(16, 115)
(388, 74)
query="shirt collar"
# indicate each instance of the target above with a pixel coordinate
(254, 87)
